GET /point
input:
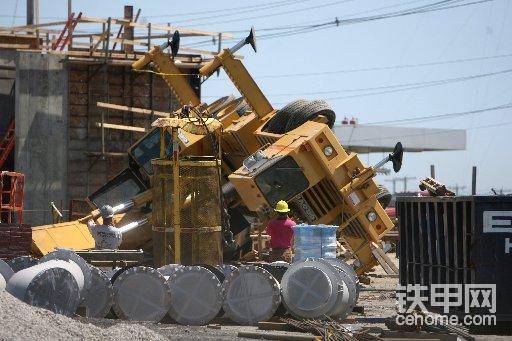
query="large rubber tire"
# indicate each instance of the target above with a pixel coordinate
(383, 196)
(278, 123)
(309, 112)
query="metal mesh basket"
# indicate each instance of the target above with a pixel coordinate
(200, 216)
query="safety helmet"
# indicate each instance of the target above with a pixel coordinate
(282, 207)
(107, 211)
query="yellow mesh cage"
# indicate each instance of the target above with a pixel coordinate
(199, 210)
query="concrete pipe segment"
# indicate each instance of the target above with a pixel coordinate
(5, 270)
(100, 297)
(196, 294)
(71, 257)
(22, 262)
(314, 288)
(141, 294)
(2, 283)
(54, 285)
(251, 295)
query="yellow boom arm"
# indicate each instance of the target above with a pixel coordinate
(173, 76)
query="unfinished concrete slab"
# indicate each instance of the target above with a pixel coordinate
(100, 297)
(251, 295)
(54, 285)
(196, 295)
(22, 262)
(142, 294)
(5, 270)
(41, 123)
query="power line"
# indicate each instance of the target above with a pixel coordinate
(438, 6)
(246, 10)
(394, 87)
(443, 116)
(378, 68)
(222, 10)
(333, 3)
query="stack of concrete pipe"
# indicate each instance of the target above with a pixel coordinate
(191, 295)
(6, 273)
(315, 288)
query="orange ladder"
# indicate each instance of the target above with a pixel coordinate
(7, 144)
(11, 197)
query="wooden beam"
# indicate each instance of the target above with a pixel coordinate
(188, 31)
(132, 109)
(120, 127)
(14, 46)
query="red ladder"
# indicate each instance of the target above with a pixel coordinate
(68, 28)
(7, 144)
(11, 197)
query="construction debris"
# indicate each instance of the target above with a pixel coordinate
(435, 188)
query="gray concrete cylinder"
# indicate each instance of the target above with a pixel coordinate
(54, 285)
(196, 295)
(71, 257)
(315, 288)
(22, 262)
(309, 289)
(2, 283)
(251, 295)
(100, 297)
(169, 269)
(142, 294)
(5, 270)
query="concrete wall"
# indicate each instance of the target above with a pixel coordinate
(7, 77)
(41, 132)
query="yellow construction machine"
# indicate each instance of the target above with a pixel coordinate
(267, 155)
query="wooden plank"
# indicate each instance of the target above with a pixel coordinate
(120, 127)
(266, 325)
(188, 31)
(132, 109)
(14, 46)
(278, 336)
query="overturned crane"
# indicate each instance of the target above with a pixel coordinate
(267, 155)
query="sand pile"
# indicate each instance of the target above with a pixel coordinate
(20, 321)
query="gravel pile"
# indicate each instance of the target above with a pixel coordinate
(23, 322)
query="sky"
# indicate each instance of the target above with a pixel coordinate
(460, 46)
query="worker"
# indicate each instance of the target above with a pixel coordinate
(106, 235)
(280, 230)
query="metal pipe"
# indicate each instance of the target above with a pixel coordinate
(133, 225)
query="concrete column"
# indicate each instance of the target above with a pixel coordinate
(41, 132)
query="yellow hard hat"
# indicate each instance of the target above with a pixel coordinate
(282, 206)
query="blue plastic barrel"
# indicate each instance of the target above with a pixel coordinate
(314, 241)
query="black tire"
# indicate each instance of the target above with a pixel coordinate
(278, 123)
(309, 112)
(383, 196)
